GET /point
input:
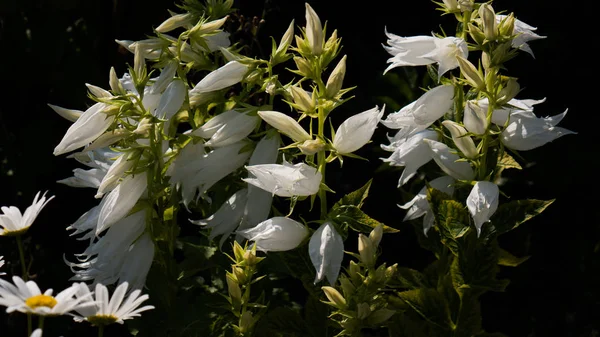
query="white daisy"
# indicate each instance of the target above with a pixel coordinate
(14, 223)
(114, 311)
(27, 297)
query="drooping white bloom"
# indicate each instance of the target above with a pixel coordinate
(286, 180)
(231, 73)
(482, 202)
(326, 250)
(412, 153)
(171, 100)
(285, 124)
(15, 223)
(84, 178)
(524, 33)
(100, 161)
(116, 204)
(424, 50)
(259, 201)
(276, 234)
(357, 130)
(208, 129)
(418, 206)
(89, 126)
(217, 41)
(314, 31)
(464, 143)
(202, 172)
(26, 297)
(115, 310)
(234, 130)
(448, 161)
(420, 114)
(227, 218)
(1, 264)
(86, 224)
(526, 132)
(116, 171)
(137, 262)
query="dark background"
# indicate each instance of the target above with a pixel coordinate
(49, 49)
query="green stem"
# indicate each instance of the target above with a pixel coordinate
(41, 323)
(101, 331)
(29, 324)
(322, 163)
(24, 272)
(486, 139)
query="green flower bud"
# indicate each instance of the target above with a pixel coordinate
(334, 297)
(335, 80)
(471, 73)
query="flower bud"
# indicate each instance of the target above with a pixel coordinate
(451, 5)
(286, 40)
(303, 101)
(304, 68)
(285, 124)
(115, 84)
(354, 272)
(464, 143)
(239, 274)
(475, 118)
(314, 31)
(203, 28)
(391, 271)
(476, 34)
(139, 65)
(335, 80)
(310, 147)
(471, 73)
(486, 60)
(510, 90)
(363, 310)
(488, 18)
(334, 297)
(366, 250)
(465, 5)
(174, 22)
(347, 287)
(234, 290)
(246, 321)
(376, 235)
(507, 26)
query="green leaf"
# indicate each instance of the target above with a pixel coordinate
(282, 321)
(197, 255)
(407, 278)
(511, 215)
(507, 259)
(508, 162)
(355, 198)
(451, 217)
(356, 219)
(316, 313)
(430, 305)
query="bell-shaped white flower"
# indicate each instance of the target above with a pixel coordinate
(526, 132)
(314, 31)
(231, 73)
(482, 202)
(464, 143)
(86, 224)
(171, 100)
(217, 41)
(326, 250)
(420, 114)
(110, 311)
(259, 201)
(448, 161)
(412, 153)
(357, 130)
(227, 218)
(68, 114)
(137, 262)
(285, 124)
(424, 50)
(285, 180)
(115, 172)
(201, 172)
(475, 118)
(176, 21)
(276, 234)
(15, 223)
(419, 206)
(116, 204)
(84, 178)
(234, 130)
(89, 126)
(524, 33)
(208, 129)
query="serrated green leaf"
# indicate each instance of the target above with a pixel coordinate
(355, 198)
(430, 305)
(507, 259)
(406, 278)
(512, 214)
(356, 219)
(508, 162)
(451, 217)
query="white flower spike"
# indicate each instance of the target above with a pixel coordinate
(276, 234)
(285, 180)
(326, 250)
(482, 202)
(15, 223)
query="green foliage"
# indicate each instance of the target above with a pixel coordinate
(512, 214)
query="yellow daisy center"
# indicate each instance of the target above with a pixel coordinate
(41, 301)
(15, 233)
(99, 320)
